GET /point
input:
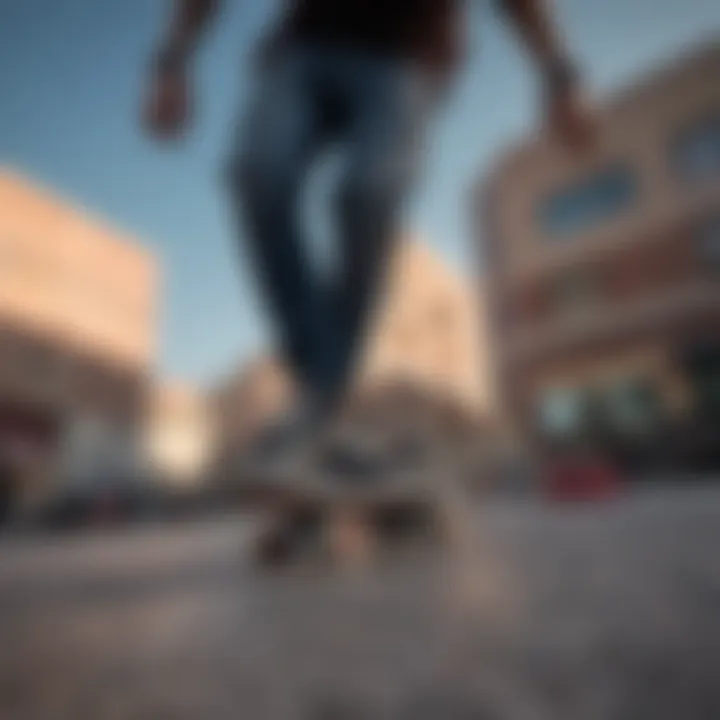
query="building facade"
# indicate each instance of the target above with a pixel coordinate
(77, 342)
(604, 267)
(180, 436)
(430, 331)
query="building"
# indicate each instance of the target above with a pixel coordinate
(431, 331)
(180, 436)
(77, 341)
(428, 333)
(604, 268)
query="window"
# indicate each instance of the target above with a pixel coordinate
(593, 201)
(697, 152)
(632, 406)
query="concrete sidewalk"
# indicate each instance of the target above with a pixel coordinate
(561, 612)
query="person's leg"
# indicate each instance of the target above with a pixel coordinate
(390, 107)
(279, 139)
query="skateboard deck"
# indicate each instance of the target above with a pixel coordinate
(343, 521)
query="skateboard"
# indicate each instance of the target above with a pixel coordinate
(344, 524)
(411, 496)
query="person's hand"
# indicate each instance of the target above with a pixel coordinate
(570, 116)
(168, 105)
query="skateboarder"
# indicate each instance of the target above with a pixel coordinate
(369, 75)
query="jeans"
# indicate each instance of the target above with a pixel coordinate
(309, 98)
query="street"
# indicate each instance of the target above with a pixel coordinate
(563, 612)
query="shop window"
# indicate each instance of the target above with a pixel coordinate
(632, 406)
(561, 412)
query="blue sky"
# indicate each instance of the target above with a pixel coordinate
(70, 79)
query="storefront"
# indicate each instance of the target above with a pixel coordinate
(28, 442)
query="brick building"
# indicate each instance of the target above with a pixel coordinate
(430, 331)
(605, 267)
(77, 335)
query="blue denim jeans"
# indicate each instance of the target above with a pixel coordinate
(375, 110)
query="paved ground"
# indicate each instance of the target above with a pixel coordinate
(561, 613)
